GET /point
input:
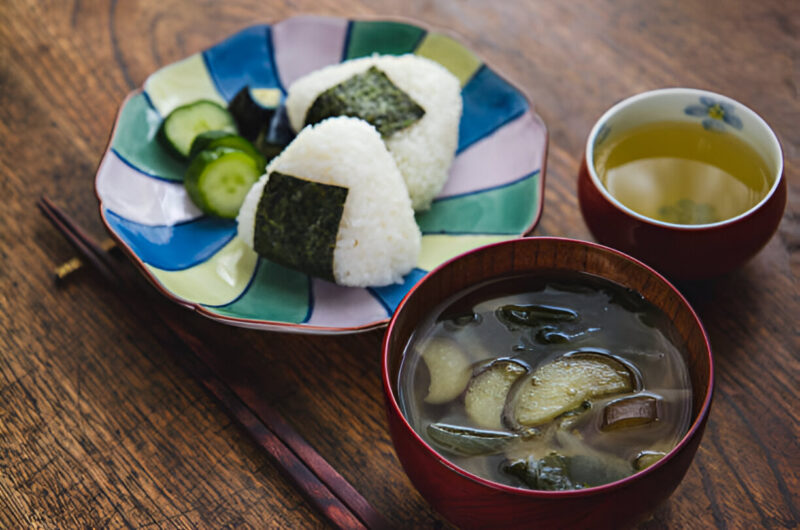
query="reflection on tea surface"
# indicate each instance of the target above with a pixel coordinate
(681, 173)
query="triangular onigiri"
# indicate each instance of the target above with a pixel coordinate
(423, 151)
(378, 240)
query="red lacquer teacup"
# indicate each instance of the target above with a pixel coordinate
(683, 251)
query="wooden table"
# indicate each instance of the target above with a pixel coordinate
(101, 427)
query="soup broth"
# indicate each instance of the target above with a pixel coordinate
(680, 173)
(561, 381)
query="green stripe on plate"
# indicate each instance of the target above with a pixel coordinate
(451, 54)
(438, 248)
(503, 210)
(385, 38)
(135, 140)
(180, 83)
(217, 281)
(275, 294)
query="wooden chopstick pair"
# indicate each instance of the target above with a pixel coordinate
(85, 244)
(319, 483)
(73, 264)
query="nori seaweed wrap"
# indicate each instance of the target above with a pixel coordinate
(370, 96)
(297, 222)
(333, 205)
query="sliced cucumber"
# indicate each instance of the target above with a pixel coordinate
(214, 139)
(267, 147)
(253, 109)
(276, 136)
(218, 180)
(179, 129)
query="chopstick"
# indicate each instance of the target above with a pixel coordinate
(73, 264)
(80, 239)
(319, 483)
(292, 439)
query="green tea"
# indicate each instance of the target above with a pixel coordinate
(680, 173)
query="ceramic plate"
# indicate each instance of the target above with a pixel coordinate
(494, 191)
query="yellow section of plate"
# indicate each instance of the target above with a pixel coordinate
(180, 83)
(448, 52)
(438, 248)
(216, 281)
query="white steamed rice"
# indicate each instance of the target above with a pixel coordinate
(423, 151)
(378, 240)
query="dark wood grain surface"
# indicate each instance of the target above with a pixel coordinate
(100, 426)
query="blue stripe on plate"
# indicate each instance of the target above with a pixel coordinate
(135, 143)
(173, 178)
(346, 41)
(174, 247)
(390, 296)
(489, 103)
(484, 190)
(244, 59)
(149, 103)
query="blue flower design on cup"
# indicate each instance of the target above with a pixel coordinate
(715, 114)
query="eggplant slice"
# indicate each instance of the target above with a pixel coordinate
(487, 392)
(449, 368)
(564, 385)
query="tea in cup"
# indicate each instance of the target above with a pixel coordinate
(687, 180)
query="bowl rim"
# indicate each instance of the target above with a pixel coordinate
(595, 179)
(691, 432)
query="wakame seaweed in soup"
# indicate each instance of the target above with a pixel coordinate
(370, 96)
(554, 382)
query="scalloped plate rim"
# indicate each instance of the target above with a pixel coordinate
(289, 327)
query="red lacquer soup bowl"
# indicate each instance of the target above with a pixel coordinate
(470, 501)
(684, 251)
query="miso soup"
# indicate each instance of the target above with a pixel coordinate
(681, 173)
(554, 382)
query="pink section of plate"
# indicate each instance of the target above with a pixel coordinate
(304, 44)
(503, 157)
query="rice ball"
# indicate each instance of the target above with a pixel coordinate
(378, 240)
(423, 151)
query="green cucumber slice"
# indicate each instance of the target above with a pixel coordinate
(182, 125)
(253, 109)
(272, 140)
(218, 180)
(214, 139)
